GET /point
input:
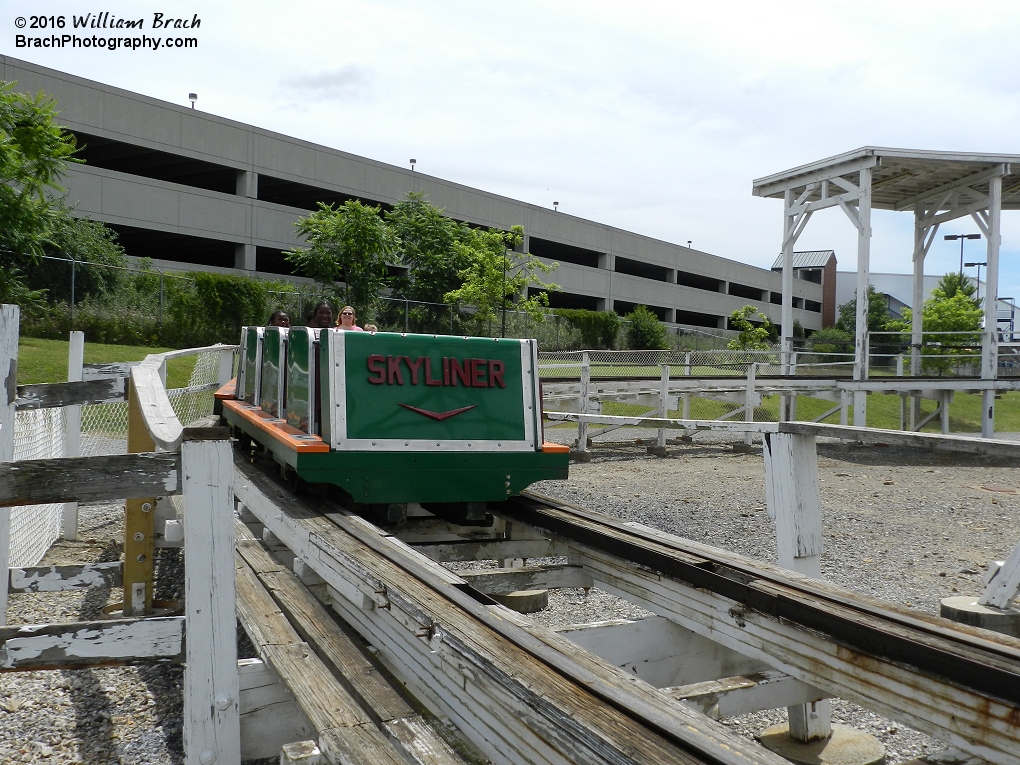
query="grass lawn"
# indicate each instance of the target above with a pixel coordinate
(45, 361)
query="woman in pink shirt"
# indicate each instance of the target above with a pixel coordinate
(345, 320)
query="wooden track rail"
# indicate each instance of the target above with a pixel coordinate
(482, 665)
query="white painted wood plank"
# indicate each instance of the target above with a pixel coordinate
(10, 322)
(127, 640)
(1004, 583)
(269, 716)
(211, 706)
(72, 430)
(63, 578)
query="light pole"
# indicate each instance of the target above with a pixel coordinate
(961, 237)
(971, 265)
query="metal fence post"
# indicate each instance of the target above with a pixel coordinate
(73, 264)
(582, 425)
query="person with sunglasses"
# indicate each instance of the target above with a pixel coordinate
(345, 320)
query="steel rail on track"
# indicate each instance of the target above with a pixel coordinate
(957, 654)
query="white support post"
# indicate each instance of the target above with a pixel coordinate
(663, 403)
(863, 281)
(72, 429)
(582, 426)
(844, 407)
(793, 502)
(946, 396)
(212, 732)
(10, 322)
(899, 365)
(1004, 582)
(749, 398)
(687, 363)
(686, 413)
(786, 315)
(989, 348)
(226, 370)
(917, 289)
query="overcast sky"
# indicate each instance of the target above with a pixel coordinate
(651, 116)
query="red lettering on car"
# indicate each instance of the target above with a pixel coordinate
(429, 380)
(496, 369)
(414, 366)
(393, 370)
(462, 372)
(377, 364)
(479, 368)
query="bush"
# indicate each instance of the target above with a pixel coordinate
(645, 331)
(598, 328)
(196, 310)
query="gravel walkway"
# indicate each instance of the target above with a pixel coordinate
(907, 526)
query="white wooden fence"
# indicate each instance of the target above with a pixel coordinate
(194, 462)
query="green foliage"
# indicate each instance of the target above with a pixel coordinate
(348, 244)
(878, 313)
(426, 241)
(752, 337)
(645, 331)
(34, 153)
(198, 309)
(498, 278)
(945, 312)
(952, 283)
(598, 328)
(832, 340)
(94, 246)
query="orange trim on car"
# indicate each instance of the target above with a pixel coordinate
(277, 428)
(550, 448)
(227, 391)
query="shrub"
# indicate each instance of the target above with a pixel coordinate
(598, 328)
(645, 331)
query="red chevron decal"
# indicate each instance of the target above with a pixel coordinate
(439, 415)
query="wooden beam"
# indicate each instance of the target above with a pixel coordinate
(88, 479)
(64, 578)
(86, 644)
(53, 395)
(371, 687)
(446, 552)
(269, 716)
(531, 578)
(211, 707)
(739, 695)
(149, 395)
(519, 692)
(964, 444)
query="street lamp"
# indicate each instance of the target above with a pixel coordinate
(971, 265)
(961, 237)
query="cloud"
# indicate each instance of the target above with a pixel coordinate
(343, 84)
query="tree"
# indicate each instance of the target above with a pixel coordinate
(498, 278)
(348, 244)
(645, 331)
(878, 313)
(753, 336)
(34, 153)
(943, 313)
(598, 328)
(426, 242)
(954, 282)
(97, 255)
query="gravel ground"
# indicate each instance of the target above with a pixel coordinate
(906, 526)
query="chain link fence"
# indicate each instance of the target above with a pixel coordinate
(39, 434)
